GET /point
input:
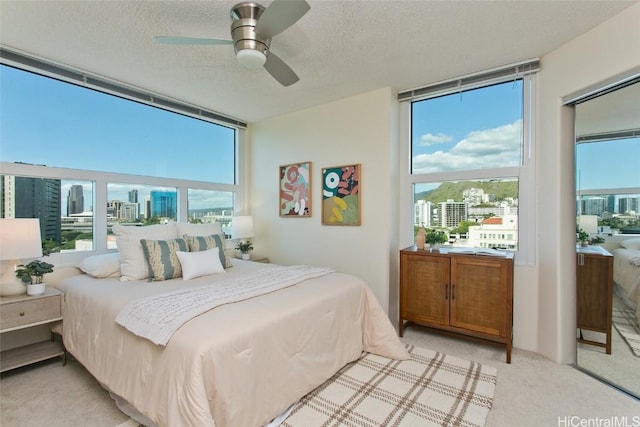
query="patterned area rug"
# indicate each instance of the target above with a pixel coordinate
(429, 389)
(625, 322)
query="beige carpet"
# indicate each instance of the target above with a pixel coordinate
(530, 392)
(625, 322)
(431, 388)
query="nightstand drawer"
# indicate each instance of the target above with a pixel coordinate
(30, 310)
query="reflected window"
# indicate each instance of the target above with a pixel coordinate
(608, 180)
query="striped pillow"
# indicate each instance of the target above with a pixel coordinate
(162, 259)
(203, 243)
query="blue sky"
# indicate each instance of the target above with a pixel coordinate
(481, 129)
(48, 122)
(44, 121)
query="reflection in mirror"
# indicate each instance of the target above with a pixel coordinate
(608, 218)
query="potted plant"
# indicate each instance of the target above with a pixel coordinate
(32, 274)
(436, 238)
(244, 246)
(596, 240)
(583, 238)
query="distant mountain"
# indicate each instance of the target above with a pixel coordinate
(453, 190)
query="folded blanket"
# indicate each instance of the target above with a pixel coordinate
(158, 317)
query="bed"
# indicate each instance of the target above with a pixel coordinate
(626, 273)
(239, 364)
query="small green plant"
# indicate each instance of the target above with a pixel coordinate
(244, 246)
(435, 237)
(583, 236)
(596, 240)
(33, 272)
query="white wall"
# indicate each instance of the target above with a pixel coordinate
(363, 129)
(360, 129)
(607, 50)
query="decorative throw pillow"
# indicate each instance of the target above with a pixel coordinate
(133, 265)
(202, 263)
(162, 258)
(100, 266)
(203, 243)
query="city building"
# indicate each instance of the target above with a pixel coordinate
(75, 200)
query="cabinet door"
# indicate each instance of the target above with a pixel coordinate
(424, 289)
(479, 294)
(594, 280)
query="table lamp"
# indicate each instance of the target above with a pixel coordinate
(242, 228)
(19, 239)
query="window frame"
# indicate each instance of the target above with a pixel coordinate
(101, 179)
(525, 173)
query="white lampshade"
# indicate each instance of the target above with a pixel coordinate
(251, 58)
(20, 238)
(242, 227)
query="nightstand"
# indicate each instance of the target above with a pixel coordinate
(20, 312)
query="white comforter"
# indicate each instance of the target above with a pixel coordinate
(237, 365)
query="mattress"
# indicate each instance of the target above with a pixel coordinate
(237, 365)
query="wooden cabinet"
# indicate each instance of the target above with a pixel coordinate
(468, 295)
(594, 293)
(21, 312)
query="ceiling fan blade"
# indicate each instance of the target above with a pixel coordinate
(191, 40)
(279, 70)
(280, 15)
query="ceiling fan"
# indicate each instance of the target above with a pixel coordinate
(252, 27)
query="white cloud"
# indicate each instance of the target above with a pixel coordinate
(482, 149)
(431, 139)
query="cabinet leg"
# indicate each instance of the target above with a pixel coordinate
(401, 328)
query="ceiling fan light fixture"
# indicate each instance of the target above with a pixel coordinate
(251, 58)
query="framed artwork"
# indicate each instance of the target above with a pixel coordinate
(295, 190)
(341, 195)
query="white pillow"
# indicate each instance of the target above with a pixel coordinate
(202, 263)
(103, 265)
(133, 265)
(631, 244)
(198, 229)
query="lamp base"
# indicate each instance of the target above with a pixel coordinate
(9, 283)
(11, 286)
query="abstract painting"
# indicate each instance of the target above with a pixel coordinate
(341, 195)
(295, 190)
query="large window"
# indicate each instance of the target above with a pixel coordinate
(469, 152)
(81, 160)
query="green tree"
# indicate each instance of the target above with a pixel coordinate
(463, 227)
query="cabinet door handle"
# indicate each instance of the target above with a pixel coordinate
(446, 291)
(453, 292)
(580, 259)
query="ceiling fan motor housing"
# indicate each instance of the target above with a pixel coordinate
(251, 49)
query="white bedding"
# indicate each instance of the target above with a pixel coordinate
(627, 275)
(237, 365)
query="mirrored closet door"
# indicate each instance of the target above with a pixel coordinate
(607, 155)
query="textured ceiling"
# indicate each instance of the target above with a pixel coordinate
(339, 48)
